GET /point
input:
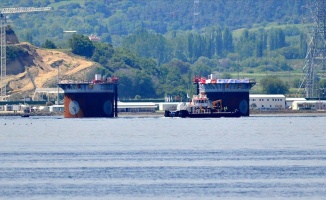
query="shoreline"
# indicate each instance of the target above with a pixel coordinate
(20, 113)
(161, 113)
(288, 112)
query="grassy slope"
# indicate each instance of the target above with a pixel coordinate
(286, 76)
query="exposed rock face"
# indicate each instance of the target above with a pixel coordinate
(23, 59)
(37, 68)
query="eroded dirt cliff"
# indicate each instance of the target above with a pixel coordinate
(38, 68)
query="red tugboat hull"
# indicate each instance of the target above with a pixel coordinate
(186, 114)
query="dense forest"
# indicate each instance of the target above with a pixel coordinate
(115, 18)
(157, 46)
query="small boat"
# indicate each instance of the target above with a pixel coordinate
(26, 112)
(201, 107)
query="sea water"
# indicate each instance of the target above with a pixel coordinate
(256, 157)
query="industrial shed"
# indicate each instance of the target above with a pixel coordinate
(309, 105)
(267, 101)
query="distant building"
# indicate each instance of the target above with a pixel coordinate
(168, 106)
(56, 108)
(289, 101)
(136, 107)
(94, 38)
(267, 101)
(309, 105)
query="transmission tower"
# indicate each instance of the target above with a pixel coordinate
(196, 14)
(315, 60)
(3, 42)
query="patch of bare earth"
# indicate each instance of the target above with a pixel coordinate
(41, 70)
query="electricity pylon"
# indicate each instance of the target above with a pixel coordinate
(315, 60)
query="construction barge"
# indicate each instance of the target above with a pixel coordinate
(96, 98)
(216, 98)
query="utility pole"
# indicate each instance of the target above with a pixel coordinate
(58, 87)
(3, 42)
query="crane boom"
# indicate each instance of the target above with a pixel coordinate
(3, 41)
(23, 10)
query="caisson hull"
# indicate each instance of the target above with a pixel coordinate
(97, 98)
(235, 100)
(234, 93)
(78, 105)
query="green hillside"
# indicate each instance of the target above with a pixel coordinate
(123, 17)
(156, 46)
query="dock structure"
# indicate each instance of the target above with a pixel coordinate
(233, 92)
(96, 98)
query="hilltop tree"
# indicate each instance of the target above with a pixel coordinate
(102, 53)
(303, 45)
(273, 85)
(81, 45)
(228, 45)
(49, 45)
(276, 39)
(148, 45)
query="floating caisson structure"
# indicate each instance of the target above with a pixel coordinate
(216, 98)
(96, 98)
(234, 93)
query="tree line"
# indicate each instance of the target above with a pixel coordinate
(151, 65)
(121, 18)
(156, 49)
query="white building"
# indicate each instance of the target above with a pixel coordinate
(136, 106)
(289, 101)
(267, 101)
(309, 105)
(168, 106)
(56, 108)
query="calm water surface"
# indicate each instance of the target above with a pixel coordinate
(257, 157)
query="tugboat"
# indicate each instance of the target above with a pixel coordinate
(201, 107)
(216, 98)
